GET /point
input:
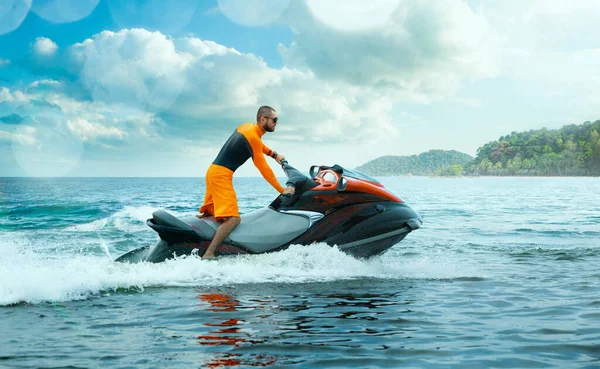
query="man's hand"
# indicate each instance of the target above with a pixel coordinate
(279, 158)
(289, 190)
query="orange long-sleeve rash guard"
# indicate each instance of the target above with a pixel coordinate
(243, 144)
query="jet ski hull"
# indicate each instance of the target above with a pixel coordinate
(163, 251)
(361, 230)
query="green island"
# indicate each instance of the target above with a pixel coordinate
(573, 150)
(424, 164)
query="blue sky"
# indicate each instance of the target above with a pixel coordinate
(154, 87)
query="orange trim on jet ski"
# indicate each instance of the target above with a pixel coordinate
(354, 185)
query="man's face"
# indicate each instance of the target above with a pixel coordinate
(271, 122)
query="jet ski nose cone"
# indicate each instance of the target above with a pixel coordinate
(415, 223)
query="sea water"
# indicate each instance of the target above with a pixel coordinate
(504, 273)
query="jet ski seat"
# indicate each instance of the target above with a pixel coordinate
(259, 231)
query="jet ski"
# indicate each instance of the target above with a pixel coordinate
(338, 206)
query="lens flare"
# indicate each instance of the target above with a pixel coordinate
(167, 16)
(353, 15)
(44, 148)
(64, 11)
(253, 13)
(12, 14)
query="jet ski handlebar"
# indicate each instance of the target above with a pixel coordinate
(295, 179)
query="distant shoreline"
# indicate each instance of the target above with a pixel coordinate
(514, 176)
(434, 176)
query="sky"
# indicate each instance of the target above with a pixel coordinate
(155, 87)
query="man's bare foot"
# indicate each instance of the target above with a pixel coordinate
(208, 256)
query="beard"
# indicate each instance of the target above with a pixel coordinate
(270, 128)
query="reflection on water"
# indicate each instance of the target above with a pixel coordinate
(241, 333)
(229, 333)
(237, 359)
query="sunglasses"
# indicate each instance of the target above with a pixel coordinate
(274, 119)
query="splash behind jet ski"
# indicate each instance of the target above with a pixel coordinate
(337, 206)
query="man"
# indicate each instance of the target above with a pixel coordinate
(220, 199)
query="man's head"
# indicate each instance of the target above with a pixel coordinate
(266, 117)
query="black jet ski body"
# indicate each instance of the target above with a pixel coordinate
(336, 206)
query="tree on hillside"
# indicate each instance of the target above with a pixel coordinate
(571, 150)
(426, 163)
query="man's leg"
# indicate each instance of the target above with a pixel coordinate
(221, 234)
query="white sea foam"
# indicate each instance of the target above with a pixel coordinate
(140, 213)
(128, 219)
(96, 225)
(133, 219)
(33, 278)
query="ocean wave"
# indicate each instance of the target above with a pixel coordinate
(96, 225)
(564, 253)
(129, 219)
(558, 233)
(33, 278)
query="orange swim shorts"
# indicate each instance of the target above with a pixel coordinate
(220, 200)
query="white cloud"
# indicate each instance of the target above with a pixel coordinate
(13, 97)
(88, 131)
(421, 53)
(24, 137)
(6, 136)
(55, 151)
(88, 121)
(566, 67)
(548, 47)
(353, 15)
(222, 88)
(314, 110)
(135, 66)
(544, 25)
(200, 82)
(44, 47)
(44, 82)
(91, 120)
